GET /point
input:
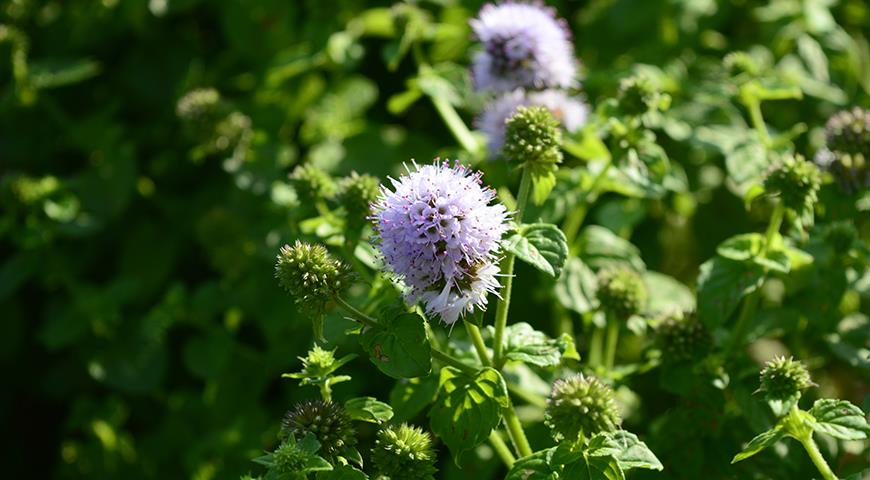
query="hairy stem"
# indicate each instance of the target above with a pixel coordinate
(507, 272)
(452, 361)
(515, 430)
(479, 346)
(816, 456)
(354, 313)
(501, 449)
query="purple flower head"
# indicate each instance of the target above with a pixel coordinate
(570, 111)
(524, 45)
(437, 230)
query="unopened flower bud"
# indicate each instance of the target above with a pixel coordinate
(681, 337)
(796, 181)
(310, 274)
(783, 379)
(638, 95)
(404, 452)
(533, 135)
(621, 292)
(581, 405)
(739, 63)
(290, 458)
(848, 132)
(312, 183)
(356, 193)
(326, 420)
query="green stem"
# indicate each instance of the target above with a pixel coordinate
(612, 340)
(515, 430)
(507, 272)
(501, 449)
(574, 219)
(479, 346)
(456, 125)
(354, 313)
(452, 361)
(754, 107)
(596, 345)
(750, 304)
(816, 456)
(531, 397)
(325, 392)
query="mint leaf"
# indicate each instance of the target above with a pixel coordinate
(525, 344)
(632, 453)
(342, 472)
(604, 467)
(534, 467)
(368, 409)
(410, 396)
(722, 283)
(759, 443)
(601, 248)
(576, 289)
(839, 419)
(399, 346)
(467, 408)
(541, 245)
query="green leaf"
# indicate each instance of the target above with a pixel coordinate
(862, 475)
(759, 443)
(342, 472)
(534, 467)
(368, 409)
(525, 344)
(604, 467)
(601, 248)
(587, 147)
(666, 293)
(576, 289)
(542, 245)
(410, 396)
(400, 102)
(399, 346)
(839, 419)
(57, 73)
(467, 408)
(543, 181)
(632, 453)
(747, 247)
(722, 283)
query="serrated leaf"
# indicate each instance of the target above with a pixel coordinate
(543, 182)
(839, 419)
(759, 443)
(577, 287)
(633, 453)
(468, 408)
(541, 245)
(722, 283)
(525, 344)
(666, 293)
(368, 409)
(399, 346)
(534, 467)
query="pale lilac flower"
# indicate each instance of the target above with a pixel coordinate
(438, 231)
(570, 111)
(524, 46)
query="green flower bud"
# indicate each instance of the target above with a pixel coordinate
(312, 183)
(796, 181)
(202, 106)
(739, 63)
(326, 420)
(310, 274)
(356, 194)
(841, 236)
(783, 379)
(532, 134)
(638, 95)
(848, 132)
(621, 292)
(289, 457)
(581, 405)
(682, 337)
(404, 452)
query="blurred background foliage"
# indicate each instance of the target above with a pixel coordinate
(143, 335)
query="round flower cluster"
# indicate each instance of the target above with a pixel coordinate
(681, 337)
(201, 105)
(356, 193)
(796, 181)
(404, 452)
(638, 95)
(783, 378)
(290, 458)
(324, 419)
(581, 405)
(569, 111)
(847, 150)
(524, 46)
(621, 292)
(312, 183)
(532, 135)
(310, 274)
(438, 231)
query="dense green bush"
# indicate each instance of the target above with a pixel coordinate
(155, 156)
